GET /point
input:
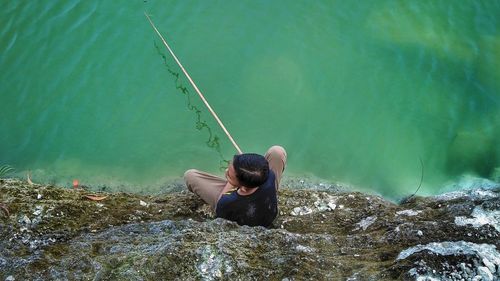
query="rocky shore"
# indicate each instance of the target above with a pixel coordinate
(52, 233)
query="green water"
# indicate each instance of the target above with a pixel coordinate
(356, 91)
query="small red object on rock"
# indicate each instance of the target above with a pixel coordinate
(75, 183)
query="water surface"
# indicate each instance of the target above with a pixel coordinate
(357, 91)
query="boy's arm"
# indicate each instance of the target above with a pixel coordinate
(227, 189)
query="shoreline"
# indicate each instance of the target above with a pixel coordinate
(293, 182)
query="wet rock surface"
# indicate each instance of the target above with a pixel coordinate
(51, 233)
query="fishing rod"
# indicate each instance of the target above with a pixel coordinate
(194, 85)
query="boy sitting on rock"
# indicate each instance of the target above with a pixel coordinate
(248, 194)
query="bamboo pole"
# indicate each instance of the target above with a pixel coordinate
(194, 85)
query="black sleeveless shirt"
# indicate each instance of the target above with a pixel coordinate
(258, 208)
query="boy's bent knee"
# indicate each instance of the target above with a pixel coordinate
(277, 150)
(189, 174)
(190, 178)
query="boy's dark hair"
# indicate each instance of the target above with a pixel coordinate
(251, 169)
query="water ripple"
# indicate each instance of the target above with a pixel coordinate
(83, 17)
(10, 44)
(7, 26)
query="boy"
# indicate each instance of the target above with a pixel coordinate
(248, 195)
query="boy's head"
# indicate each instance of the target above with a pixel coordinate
(251, 170)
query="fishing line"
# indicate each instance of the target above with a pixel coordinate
(421, 180)
(194, 85)
(213, 139)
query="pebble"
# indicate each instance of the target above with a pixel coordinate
(300, 211)
(466, 269)
(408, 213)
(332, 206)
(489, 265)
(366, 222)
(300, 248)
(26, 220)
(485, 273)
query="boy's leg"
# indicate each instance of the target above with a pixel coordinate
(276, 156)
(205, 185)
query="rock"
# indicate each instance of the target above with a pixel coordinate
(25, 220)
(470, 193)
(463, 267)
(484, 251)
(408, 213)
(65, 236)
(300, 211)
(327, 203)
(485, 273)
(453, 249)
(10, 278)
(211, 263)
(489, 265)
(38, 211)
(305, 249)
(366, 222)
(481, 217)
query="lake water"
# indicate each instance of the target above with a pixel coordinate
(362, 92)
